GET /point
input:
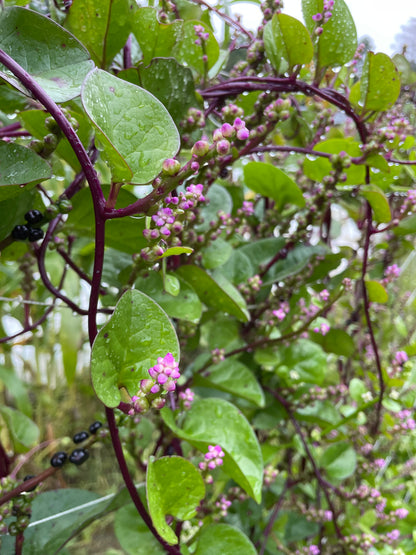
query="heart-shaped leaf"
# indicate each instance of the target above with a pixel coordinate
(135, 129)
(338, 41)
(233, 377)
(137, 333)
(216, 292)
(224, 539)
(102, 26)
(287, 42)
(174, 487)
(51, 55)
(380, 83)
(217, 422)
(269, 181)
(20, 166)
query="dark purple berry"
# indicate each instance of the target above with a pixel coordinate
(80, 437)
(95, 426)
(20, 232)
(33, 217)
(59, 458)
(78, 456)
(35, 233)
(29, 477)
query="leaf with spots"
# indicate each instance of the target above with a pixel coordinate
(138, 332)
(135, 130)
(52, 56)
(380, 83)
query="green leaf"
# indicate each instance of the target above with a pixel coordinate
(174, 487)
(156, 40)
(319, 167)
(217, 422)
(336, 341)
(171, 83)
(238, 267)
(218, 199)
(59, 515)
(189, 53)
(269, 181)
(376, 292)
(299, 527)
(338, 41)
(225, 539)
(287, 42)
(137, 333)
(103, 27)
(184, 306)
(124, 234)
(305, 358)
(216, 254)
(261, 252)
(357, 389)
(378, 202)
(215, 292)
(176, 251)
(233, 377)
(34, 122)
(172, 285)
(52, 56)
(20, 166)
(12, 213)
(380, 83)
(339, 461)
(136, 130)
(23, 431)
(134, 535)
(17, 389)
(295, 261)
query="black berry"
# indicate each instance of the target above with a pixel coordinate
(58, 459)
(33, 217)
(80, 437)
(95, 426)
(20, 232)
(78, 456)
(35, 233)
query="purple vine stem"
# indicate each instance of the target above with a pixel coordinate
(99, 212)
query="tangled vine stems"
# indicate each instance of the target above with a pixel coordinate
(100, 218)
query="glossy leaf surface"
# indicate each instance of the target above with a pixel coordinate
(217, 293)
(217, 422)
(103, 27)
(269, 181)
(51, 55)
(137, 333)
(233, 377)
(287, 42)
(134, 127)
(225, 539)
(380, 82)
(174, 487)
(20, 166)
(339, 461)
(338, 41)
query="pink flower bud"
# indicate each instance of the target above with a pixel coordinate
(223, 147)
(200, 148)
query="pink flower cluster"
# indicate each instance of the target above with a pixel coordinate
(165, 373)
(201, 34)
(227, 131)
(391, 273)
(213, 458)
(223, 504)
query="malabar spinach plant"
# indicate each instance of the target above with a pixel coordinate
(220, 226)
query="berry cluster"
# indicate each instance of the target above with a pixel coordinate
(27, 231)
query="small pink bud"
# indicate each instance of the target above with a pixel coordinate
(171, 166)
(223, 147)
(200, 148)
